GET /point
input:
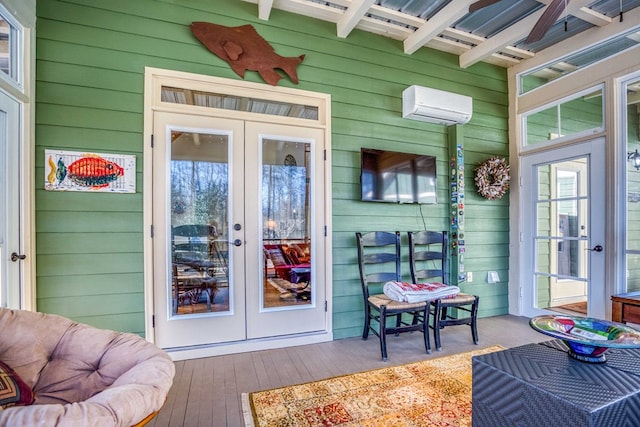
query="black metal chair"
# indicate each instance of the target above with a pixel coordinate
(428, 263)
(379, 262)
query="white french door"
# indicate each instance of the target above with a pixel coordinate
(564, 229)
(10, 187)
(228, 193)
(288, 174)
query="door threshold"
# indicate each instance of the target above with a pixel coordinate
(209, 350)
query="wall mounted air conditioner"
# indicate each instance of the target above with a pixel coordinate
(435, 106)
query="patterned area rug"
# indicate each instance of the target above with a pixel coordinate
(434, 392)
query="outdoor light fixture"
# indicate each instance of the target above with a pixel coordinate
(635, 158)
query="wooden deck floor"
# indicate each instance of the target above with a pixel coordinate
(206, 392)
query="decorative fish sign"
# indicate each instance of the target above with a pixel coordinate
(88, 171)
(244, 49)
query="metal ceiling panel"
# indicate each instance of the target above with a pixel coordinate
(611, 8)
(424, 9)
(495, 18)
(556, 34)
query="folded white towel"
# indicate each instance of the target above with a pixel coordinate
(418, 292)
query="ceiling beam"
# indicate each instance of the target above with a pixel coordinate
(264, 9)
(512, 34)
(352, 16)
(453, 11)
(592, 17)
(499, 41)
(586, 14)
(633, 98)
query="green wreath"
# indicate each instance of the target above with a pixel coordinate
(492, 178)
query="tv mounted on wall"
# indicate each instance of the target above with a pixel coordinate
(394, 177)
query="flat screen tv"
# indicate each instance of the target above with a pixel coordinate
(393, 177)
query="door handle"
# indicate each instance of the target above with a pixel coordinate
(237, 242)
(596, 248)
(15, 257)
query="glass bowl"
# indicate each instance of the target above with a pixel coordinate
(587, 338)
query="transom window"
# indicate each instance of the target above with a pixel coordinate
(581, 114)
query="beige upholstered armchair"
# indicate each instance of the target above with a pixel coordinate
(78, 375)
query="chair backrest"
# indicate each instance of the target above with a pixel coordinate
(193, 240)
(428, 255)
(378, 258)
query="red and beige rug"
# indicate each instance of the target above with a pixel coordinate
(433, 392)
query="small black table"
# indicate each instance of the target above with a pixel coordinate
(540, 385)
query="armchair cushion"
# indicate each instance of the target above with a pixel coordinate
(79, 374)
(13, 391)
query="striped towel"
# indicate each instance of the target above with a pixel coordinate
(418, 292)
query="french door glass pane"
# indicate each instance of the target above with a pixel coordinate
(633, 186)
(3, 212)
(561, 233)
(285, 223)
(199, 223)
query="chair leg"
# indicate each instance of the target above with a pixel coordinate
(436, 323)
(367, 321)
(383, 332)
(474, 322)
(445, 313)
(425, 329)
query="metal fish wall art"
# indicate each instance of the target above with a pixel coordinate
(244, 49)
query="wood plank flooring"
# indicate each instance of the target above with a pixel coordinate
(206, 392)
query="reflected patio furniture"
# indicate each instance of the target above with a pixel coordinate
(196, 245)
(284, 258)
(301, 275)
(191, 286)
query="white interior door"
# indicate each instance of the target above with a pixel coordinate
(564, 195)
(10, 187)
(229, 194)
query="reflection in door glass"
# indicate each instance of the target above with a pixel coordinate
(199, 207)
(3, 212)
(285, 225)
(632, 135)
(562, 236)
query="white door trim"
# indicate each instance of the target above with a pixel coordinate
(154, 80)
(597, 289)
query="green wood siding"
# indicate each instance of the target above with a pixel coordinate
(91, 56)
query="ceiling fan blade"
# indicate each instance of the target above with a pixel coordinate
(481, 4)
(548, 18)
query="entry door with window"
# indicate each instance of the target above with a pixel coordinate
(10, 250)
(237, 237)
(564, 231)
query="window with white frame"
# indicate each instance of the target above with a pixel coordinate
(580, 114)
(11, 51)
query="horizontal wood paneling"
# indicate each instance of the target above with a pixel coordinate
(91, 56)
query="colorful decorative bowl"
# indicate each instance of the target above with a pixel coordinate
(588, 339)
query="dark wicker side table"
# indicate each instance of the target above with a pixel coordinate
(540, 385)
